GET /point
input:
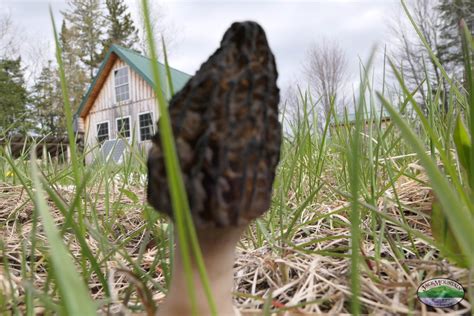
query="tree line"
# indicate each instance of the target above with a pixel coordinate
(88, 30)
(439, 22)
(90, 27)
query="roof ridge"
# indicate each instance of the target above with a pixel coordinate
(120, 47)
(144, 56)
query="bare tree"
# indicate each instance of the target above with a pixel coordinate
(35, 56)
(160, 27)
(290, 104)
(8, 38)
(326, 70)
(418, 69)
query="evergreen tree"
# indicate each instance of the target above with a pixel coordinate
(13, 97)
(451, 13)
(86, 21)
(120, 27)
(47, 101)
(76, 76)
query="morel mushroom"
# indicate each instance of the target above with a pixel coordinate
(227, 133)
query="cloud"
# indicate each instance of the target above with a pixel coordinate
(291, 27)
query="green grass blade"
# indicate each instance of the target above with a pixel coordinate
(469, 74)
(73, 291)
(458, 214)
(167, 66)
(67, 105)
(85, 249)
(184, 226)
(354, 168)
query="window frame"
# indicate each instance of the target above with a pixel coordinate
(97, 131)
(152, 125)
(118, 136)
(123, 84)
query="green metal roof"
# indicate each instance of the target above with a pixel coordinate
(142, 65)
(351, 117)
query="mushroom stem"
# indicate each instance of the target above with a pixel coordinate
(218, 250)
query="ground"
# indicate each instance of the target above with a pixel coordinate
(308, 275)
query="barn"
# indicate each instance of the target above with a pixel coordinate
(119, 108)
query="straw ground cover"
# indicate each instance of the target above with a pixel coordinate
(309, 273)
(350, 229)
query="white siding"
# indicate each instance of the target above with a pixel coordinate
(105, 108)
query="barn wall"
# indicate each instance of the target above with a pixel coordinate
(78, 124)
(105, 107)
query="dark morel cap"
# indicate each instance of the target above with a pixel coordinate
(227, 133)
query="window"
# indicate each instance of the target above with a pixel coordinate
(121, 84)
(102, 132)
(145, 122)
(123, 127)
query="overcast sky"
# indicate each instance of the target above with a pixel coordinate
(198, 26)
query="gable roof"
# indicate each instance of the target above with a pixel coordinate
(141, 65)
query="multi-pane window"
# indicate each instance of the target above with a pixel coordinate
(123, 127)
(145, 122)
(102, 132)
(121, 84)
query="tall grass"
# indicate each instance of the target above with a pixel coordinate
(322, 161)
(188, 241)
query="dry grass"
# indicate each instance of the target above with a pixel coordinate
(302, 278)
